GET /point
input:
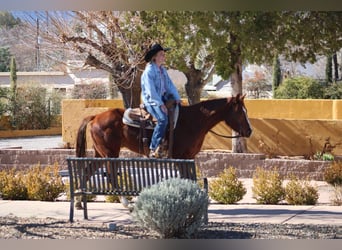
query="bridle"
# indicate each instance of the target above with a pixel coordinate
(226, 136)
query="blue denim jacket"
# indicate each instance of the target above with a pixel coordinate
(151, 85)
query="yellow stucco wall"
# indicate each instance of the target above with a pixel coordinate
(73, 112)
(295, 109)
(283, 127)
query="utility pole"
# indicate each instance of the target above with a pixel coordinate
(37, 47)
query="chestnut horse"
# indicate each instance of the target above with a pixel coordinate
(110, 134)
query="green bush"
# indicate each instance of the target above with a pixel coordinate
(299, 192)
(3, 100)
(333, 174)
(12, 186)
(44, 183)
(174, 208)
(267, 186)
(323, 156)
(333, 91)
(299, 88)
(227, 189)
(30, 110)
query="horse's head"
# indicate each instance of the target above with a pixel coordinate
(237, 118)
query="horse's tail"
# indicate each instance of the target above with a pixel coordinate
(81, 140)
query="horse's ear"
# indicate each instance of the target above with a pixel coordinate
(240, 97)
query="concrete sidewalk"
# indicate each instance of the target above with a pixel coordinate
(245, 211)
(240, 213)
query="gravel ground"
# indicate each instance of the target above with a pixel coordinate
(12, 227)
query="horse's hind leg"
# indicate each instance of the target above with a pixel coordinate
(101, 148)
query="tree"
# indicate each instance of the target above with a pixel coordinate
(276, 73)
(13, 86)
(105, 40)
(256, 37)
(7, 20)
(13, 76)
(5, 58)
(186, 32)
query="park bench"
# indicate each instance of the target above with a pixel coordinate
(122, 176)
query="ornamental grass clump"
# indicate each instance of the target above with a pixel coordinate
(36, 183)
(300, 192)
(267, 186)
(173, 208)
(44, 183)
(12, 186)
(227, 189)
(333, 176)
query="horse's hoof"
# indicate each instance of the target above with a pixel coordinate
(124, 201)
(130, 208)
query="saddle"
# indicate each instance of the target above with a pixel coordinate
(139, 117)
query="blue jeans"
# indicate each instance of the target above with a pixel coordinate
(159, 130)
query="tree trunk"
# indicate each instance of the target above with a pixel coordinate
(239, 145)
(131, 95)
(335, 66)
(194, 85)
(328, 69)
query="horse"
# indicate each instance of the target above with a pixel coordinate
(110, 134)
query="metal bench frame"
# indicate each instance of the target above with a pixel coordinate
(122, 176)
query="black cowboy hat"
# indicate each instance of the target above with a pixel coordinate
(154, 50)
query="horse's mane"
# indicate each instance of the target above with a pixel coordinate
(207, 104)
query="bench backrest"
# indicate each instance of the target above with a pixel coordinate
(124, 176)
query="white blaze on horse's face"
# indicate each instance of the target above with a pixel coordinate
(249, 124)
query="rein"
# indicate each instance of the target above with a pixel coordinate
(225, 136)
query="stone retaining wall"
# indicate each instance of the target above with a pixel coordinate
(210, 163)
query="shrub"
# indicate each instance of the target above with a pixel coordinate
(337, 196)
(174, 208)
(300, 192)
(116, 198)
(267, 186)
(12, 185)
(44, 183)
(30, 110)
(95, 90)
(299, 88)
(227, 189)
(333, 174)
(333, 91)
(323, 156)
